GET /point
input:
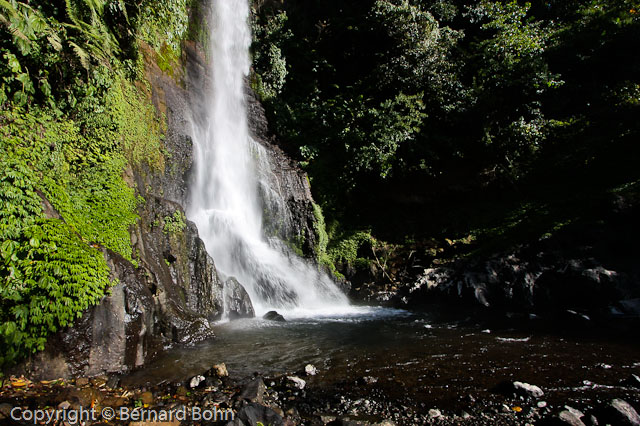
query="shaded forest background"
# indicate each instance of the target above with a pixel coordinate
(430, 123)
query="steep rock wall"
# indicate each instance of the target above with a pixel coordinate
(174, 293)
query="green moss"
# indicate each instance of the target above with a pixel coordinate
(345, 250)
(174, 224)
(322, 239)
(298, 243)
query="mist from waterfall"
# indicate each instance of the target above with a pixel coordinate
(230, 167)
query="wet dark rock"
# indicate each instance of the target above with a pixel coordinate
(273, 316)
(253, 413)
(567, 417)
(620, 412)
(527, 389)
(113, 382)
(629, 307)
(254, 391)
(213, 382)
(290, 216)
(633, 381)
(236, 300)
(587, 268)
(5, 411)
(151, 307)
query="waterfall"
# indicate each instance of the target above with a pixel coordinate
(225, 200)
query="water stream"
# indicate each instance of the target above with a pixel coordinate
(416, 359)
(230, 167)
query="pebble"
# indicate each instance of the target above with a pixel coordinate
(310, 369)
(569, 418)
(5, 411)
(221, 370)
(82, 381)
(574, 411)
(542, 404)
(297, 382)
(147, 398)
(434, 413)
(195, 381)
(370, 380)
(531, 390)
(99, 381)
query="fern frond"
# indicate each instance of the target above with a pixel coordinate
(8, 7)
(55, 41)
(82, 54)
(72, 13)
(15, 31)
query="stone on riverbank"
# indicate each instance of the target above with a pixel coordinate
(567, 417)
(254, 391)
(253, 414)
(621, 412)
(311, 370)
(527, 389)
(273, 316)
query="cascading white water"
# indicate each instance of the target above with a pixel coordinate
(224, 202)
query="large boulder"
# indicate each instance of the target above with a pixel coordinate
(237, 303)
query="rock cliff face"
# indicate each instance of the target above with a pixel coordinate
(174, 293)
(294, 220)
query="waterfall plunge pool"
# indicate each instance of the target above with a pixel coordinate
(414, 359)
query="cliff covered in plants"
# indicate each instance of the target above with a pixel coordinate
(95, 157)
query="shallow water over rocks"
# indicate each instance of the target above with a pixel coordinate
(416, 360)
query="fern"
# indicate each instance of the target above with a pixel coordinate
(82, 54)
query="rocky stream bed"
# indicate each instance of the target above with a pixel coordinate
(415, 369)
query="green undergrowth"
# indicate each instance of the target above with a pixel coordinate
(49, 273)
(337, 248)
(52, 265)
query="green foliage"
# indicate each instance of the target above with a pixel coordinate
(269, 82)
(48, 273)
(423, 99)
(72, 127)
(322, 239)
(361, 107)
(345, 250)
(164, 23)
(174, 224)
(514, 72)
